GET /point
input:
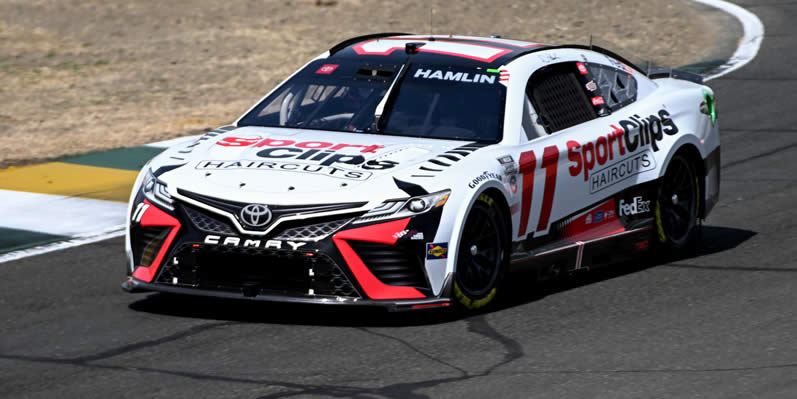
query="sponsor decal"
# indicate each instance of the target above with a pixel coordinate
(621, 170)
(632, 135)
(591, 85)
(417, 236)
(598, 101)
(238, 141)
(314, 153)
(325, 158)
(588, 219)
(619, 65)
(637, 206)
(582, 69)
(598, 216)
(405, 233)
(257, 142)
(483, 177)
(332, 171)
(509, 165)
(453, 76)
(234, 241)
(436, 250)
(327, 69)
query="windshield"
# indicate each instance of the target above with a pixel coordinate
(429, 101)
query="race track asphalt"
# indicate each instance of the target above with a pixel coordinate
(721, 324)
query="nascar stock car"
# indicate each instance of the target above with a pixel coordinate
(412, 172)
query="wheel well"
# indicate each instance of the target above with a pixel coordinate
(692, 155)
(495, 194)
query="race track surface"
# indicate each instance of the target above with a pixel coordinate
(718, 325)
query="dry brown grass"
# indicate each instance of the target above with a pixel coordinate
(85, 75)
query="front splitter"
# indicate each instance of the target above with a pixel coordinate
(133, 285)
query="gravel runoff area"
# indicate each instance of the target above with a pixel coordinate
(79, 76)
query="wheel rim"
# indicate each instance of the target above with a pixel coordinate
(480, 253)
(678, 201)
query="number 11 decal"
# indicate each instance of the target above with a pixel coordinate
(528, 163)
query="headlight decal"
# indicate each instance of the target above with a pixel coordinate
(395, 209)
(155, 191)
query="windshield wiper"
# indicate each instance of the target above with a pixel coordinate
(386, 104)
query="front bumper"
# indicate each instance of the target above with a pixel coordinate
(371, 264)
(133, 285)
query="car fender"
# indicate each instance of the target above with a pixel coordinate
(455, 221)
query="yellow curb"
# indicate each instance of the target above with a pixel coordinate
(72, 180)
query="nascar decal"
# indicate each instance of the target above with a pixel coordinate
(332, 171)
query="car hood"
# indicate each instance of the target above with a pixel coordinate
(279, 165)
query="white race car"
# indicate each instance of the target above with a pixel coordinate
(414, 172)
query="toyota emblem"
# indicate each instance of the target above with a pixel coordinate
(255, 215)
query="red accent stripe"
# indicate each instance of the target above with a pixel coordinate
(362, 51)
(154, 217)
(528, 162)
(550, 161)
(461, 40)
(379, 233)
(431, 305)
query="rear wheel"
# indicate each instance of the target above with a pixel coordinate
(482, 254)
(677, 206)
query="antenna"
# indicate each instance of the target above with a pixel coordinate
(431, 25)
(590, 41)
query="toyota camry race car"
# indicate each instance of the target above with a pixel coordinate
(418, 171)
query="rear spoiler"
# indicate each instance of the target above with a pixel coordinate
(659, 73)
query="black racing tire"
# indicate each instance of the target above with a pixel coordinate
(482, 256)
(676, 229)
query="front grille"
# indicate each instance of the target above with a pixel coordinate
(391, 265)
(314, 231)
(277, 211)
(208, 223)
(146, 242)
(255, 271)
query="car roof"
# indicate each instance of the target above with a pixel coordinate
(434, 49)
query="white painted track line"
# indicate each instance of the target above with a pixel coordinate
(57, 246)
(59, 215)
(748, 44)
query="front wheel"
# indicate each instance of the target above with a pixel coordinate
(482, 254)
(677, 206)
